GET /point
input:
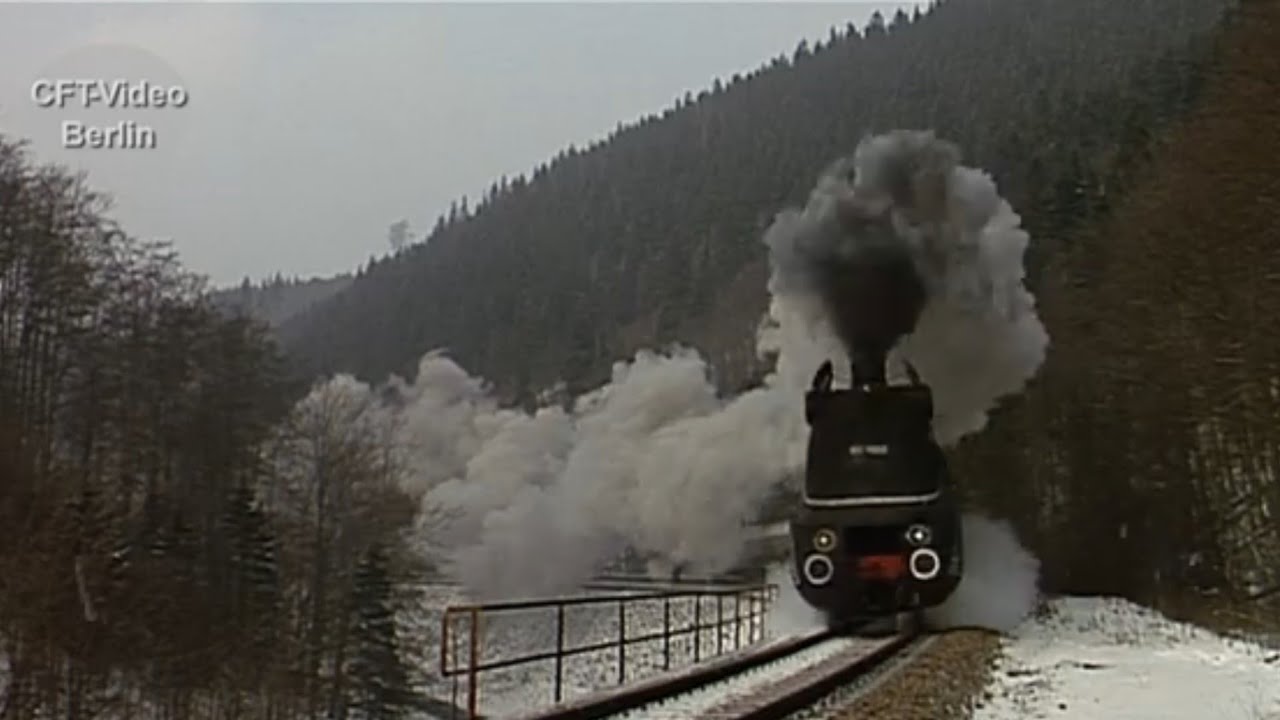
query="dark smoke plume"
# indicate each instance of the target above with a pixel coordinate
(903, 251)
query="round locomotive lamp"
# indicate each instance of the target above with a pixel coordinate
(919, 535)
(924, 564)
(818, 570)
(824, 540)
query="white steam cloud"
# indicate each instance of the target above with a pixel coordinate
(1000, 586)
(789, 614)
(655, 461)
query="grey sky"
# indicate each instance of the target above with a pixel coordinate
(310, 128)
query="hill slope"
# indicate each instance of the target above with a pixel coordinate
(277, 300)
(653, 236)
(1151, 434)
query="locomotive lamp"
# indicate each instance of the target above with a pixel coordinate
(818, 570)
(824, 540)
(924, 564)
(919, 535)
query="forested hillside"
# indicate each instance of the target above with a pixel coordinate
(1152, 431)
(653, 236)
(276, 300)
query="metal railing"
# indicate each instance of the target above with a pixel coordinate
(742, 608)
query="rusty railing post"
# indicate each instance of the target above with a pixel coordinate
(559, 648)
(666, 632)
(764, 617)
(766, 605)
(719, 624)
(697, 626)
(472, 673)
(737, 621)
(453, 700)
(622, 641)
(758, 620)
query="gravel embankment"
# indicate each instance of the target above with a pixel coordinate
(946, 681)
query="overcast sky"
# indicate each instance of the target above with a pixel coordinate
(308, 129)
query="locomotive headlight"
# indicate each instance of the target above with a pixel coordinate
(919, 535)
(818, 570)
(924, 564)
(824, 540)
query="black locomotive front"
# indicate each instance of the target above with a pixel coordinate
(878, 530)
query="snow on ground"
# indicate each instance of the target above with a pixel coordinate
(1108, 659)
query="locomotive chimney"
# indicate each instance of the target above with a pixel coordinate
(873, 297)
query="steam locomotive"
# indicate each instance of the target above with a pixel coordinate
(877, 532)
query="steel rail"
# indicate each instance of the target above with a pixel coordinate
(774, 701)
(636, 695)
(803, 689)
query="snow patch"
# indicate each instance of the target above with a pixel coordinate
(1109, 659)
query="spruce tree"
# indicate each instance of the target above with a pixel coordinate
(380, 678)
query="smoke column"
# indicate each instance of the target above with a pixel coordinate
(654, 460)
(978, 337)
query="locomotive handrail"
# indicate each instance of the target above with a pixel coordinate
(758, 597)
(678, 582)
(873, 500)
(605, 580)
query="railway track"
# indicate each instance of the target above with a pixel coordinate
(767, 683)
